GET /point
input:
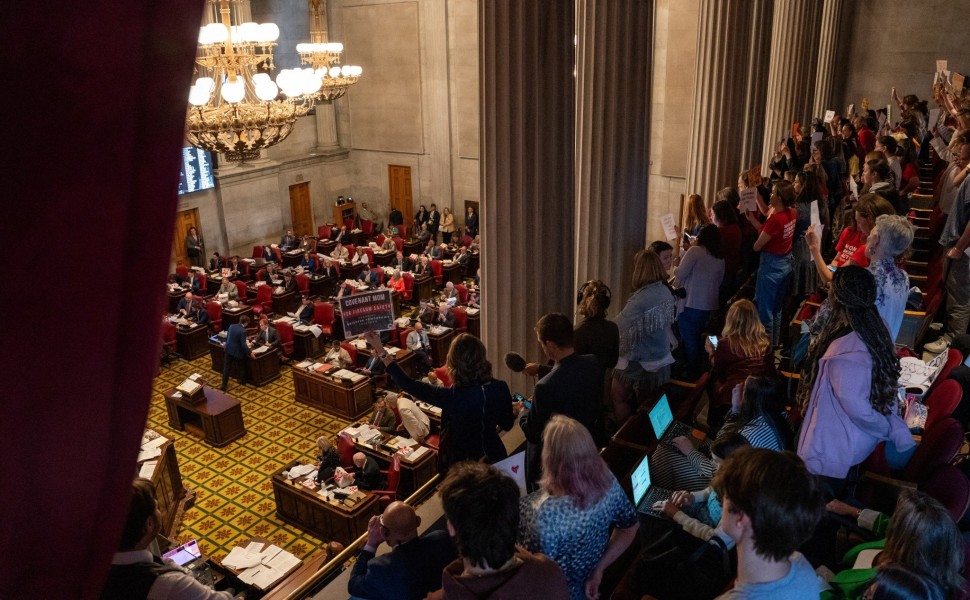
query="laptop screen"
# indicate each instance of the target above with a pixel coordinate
(661, 416)
(184, 554)
(641, 480)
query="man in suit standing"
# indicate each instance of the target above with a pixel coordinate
(236, 352)
(571, 388)
(434, 221)
(268, 336)
(413, 566)
(471, 223)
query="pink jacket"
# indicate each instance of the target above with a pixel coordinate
(841, 428)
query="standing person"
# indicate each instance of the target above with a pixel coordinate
(288, 241)
(447, 225)
(804, 275)
(434, 221)
(473, 408)
(571, 388)
(195, 247)
(236, 352)
(700, 272)
(420, 217)
(771, 505)
(471, 222)
(395, 219)
(853, 375)
(580, 518)
(890, 237)
(695, 215)
(369, 215)
(774, 272)
(726, 219)
(645, 336)
(596, 334)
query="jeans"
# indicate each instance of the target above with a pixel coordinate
(691, 323)
(774, 277)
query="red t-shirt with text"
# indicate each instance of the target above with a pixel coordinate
(781, 227)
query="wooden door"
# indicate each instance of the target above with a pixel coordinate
(399, 190)
(183, 221)
(301, 209)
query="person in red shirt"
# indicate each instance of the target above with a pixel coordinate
(726, 219)
(775, 268)
(851, 247)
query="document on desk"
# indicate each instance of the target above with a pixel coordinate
(316, 330)
(417, 453)
(392, 350)
(269, 553)
(241, 558)
(260, 349)
(154, 443)
(304, 365)
(282, 560)
(149, 454)
(148, 469)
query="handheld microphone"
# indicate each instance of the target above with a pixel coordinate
(515, 361)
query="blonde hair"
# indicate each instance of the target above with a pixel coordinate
(571, 464)
(695, 212)
(744, 331)
(647, 269)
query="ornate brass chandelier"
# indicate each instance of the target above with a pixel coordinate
(323, 57)
(235, 107)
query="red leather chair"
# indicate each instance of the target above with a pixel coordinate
(346, 449)
(367, 227)
(942, 401)
(278, 254)
(370, 255)
(257, 252)
(939, 446)
(303, 282)
(323, 316)
(380, 274)
(442, 374)
(393, 474)
(408, 287)
(215, 315)
(462, 293)
(350, 251)
(403, 337)
(399, 243)
(380, 239)
(203, 285)
(951, 488)
(403, 230)
(436, 269)
(261, 275)
(182, 271)
(324, 232)
(461, 319)
(350, 350)
(241, 288)
(286, 337)
(467, 240)
(349, 224)
(264, 300)
(168, 340)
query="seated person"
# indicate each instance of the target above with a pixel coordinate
(272, 274)
(337, 356)
(771, 505)
(388, 245)
(432, 250)
(367, 475)
(396, 282)
(482, 509)
(368, 276)
(446, 318)
(342, 236)
(339, 253)
(360, 256)
(417, 342)
(373, 366)
(478, 276)
(288, 241)
(289, 282)
(402, 263)
(236, 268)
(450, 292)
(306, 244)
(413, 419)
(228, 290)
(329, 267)
(427, 313)
(463, 256)
(138, 574)
(309, 262)
(305, 313)
(473, 300)
(423, 235)
(411, 569)
(268, 254)
(216, 262)
(328, 461)
(268, 336)
(191, 281)
(423, 267)
(193, 310)
(382, 418)
(186, 304)
(476, 244)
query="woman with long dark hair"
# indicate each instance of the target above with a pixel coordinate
(700, 272)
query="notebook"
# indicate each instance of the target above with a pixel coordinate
(645, 495)
(184, 554)
(662, 420)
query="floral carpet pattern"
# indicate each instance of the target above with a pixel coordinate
(234, 494)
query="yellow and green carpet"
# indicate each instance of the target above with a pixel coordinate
(234, 495)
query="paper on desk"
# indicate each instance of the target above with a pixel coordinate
(254, 546)
(241, 558)
(304, 364)
(271, 552)
(301, 470)
(148, 469)
(155, 443)
(316, 330)
(260, 350)
(418, 453)
(816, 222)
(282, 560)
(392, 350)
(149, 454)
(669, 225)
(401, 442)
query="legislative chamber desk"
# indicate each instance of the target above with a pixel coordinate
(217, 418)
(451, 272)
(322, 285)
(405, 359)
(415, 472)
(413, 246)
(259, 371)
(440, 342)
(474, 321)
(423, 288)
(285, 302)
(382, 258)
(319, 515)
(213, 281)
(306, 345)
(170, 492)
(174, 297)
(231, 316)
(348, 400)
(292, 258)
(190, 340)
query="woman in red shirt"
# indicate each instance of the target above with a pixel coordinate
(775, 268)
(851, 247)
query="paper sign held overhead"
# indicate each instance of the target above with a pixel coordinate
(754, 176)
(829, 115)
(941, 65)
(366, 312)
(749, 200)
(815, 220)
(669, 225)
(957, 81)
(853, 188)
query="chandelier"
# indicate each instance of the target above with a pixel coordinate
(236, 108)
(323, 56)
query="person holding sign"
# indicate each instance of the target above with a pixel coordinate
(851, 247)
(775, 269)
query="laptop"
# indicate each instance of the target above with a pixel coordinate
(184, 554)
(646, 495)
(664, 426)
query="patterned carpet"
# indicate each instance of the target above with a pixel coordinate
(234, 496)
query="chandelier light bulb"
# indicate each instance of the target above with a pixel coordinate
(233, 91)
(269, 32)
(206, 83)
(267, 91)
(248, 33)
(261, 78)
(199, 95)
(335, 71)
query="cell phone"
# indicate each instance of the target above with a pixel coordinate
(520, 398)
(833, 269)
(713, 340)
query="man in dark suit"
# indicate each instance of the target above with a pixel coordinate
(401, 262)
(342, 236)
(289, 282)
(216, 262)
(368, 473)
(268, 336)
(383, 417)
(434, 221)
(368, 276)
(571, 388)
(471, 223)
(236, 352)
(305, 313)
(411, 569)
(288, 241)
(191, 280)
(396, 218)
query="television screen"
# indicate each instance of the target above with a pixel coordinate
(196, 173)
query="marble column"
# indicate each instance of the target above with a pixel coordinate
(612, 134)
(794, 51)
(723, 40)
(828, 46)
(326, 123)
(756, 90)
(527, 57)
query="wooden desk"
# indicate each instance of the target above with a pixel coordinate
(351, 271)
(291, 259)
(174, 298)
(383, 259)
(348, 401)
(412, 246)
(285, 302)
(321, 285)
(475, 324)
(306, 345)
(320, 516)
(439, 345)
(406, 359)
(414, 473)
(170, 492)
(423, 288)
(265, 544)
(231, 316)
(260, 370)
(451, 273)
(190, 342)
(218, 418)
(291, 582)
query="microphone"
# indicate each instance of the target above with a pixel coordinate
(515, 361)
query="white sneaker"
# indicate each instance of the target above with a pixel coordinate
(937, 347)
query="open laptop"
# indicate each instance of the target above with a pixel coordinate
(646, 495)
(183, 555)
(664, 426)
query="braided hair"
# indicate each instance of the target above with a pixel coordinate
(853, 304)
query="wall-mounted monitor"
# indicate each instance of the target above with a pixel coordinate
(196, 173)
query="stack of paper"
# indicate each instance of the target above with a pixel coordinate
(261, 349)
(148, 469)
(472, 311)
(149, 454)
(418, 453)
(242, 558)
(304, 365)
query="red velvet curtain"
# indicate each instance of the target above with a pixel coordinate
(95, 96)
